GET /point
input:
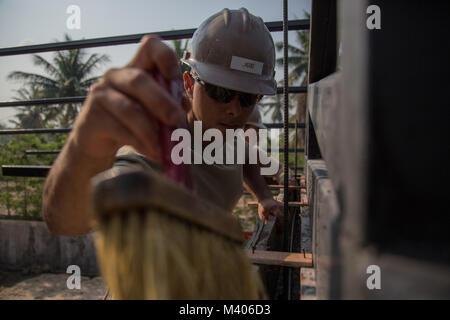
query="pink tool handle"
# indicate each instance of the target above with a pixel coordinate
(179, 173)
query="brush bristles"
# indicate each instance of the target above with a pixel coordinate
(152, 255)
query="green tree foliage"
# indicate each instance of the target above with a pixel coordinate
(297, 57)
(21, 196)
(69, 74)
(298, 68)
(29, 117)
(275, 105)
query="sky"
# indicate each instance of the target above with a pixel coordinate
(27, 22)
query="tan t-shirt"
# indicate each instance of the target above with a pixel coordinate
(219, 183)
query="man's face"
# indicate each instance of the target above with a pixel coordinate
(212, 113)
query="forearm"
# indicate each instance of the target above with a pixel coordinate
(255, 182)
(66, 207)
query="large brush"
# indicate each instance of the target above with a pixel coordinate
(158, 240)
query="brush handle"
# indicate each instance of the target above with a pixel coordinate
(179, 173)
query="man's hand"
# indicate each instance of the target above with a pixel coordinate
(272, 207)
(124, 107)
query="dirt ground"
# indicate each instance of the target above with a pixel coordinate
(48, 286)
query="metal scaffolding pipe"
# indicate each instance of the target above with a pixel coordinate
(80, 99)
(273, 26)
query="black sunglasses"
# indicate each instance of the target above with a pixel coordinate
(223, 95)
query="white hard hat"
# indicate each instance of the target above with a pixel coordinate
(234, 49)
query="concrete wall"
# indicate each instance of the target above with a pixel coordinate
(340, 262)
(324, 208)
(28, 246)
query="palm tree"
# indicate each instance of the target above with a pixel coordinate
(274, 104)
(69, 74)
(297, 56)
(33, 116)
(298, 64)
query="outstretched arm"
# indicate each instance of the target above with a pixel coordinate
(123, 108)
(256, 184)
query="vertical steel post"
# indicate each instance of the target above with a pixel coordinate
(287, 279)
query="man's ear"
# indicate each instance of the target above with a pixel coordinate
(188, 84)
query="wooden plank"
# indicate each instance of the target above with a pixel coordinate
(278, 258)
(280, 186)
(291, 203)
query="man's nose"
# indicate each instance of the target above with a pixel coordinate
(234, 107)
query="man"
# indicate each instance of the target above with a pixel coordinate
(232, 59)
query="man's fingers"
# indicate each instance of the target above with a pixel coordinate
(153, 53)
(132, 116)
(141, 86)
(271, 208)
(110, 131)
